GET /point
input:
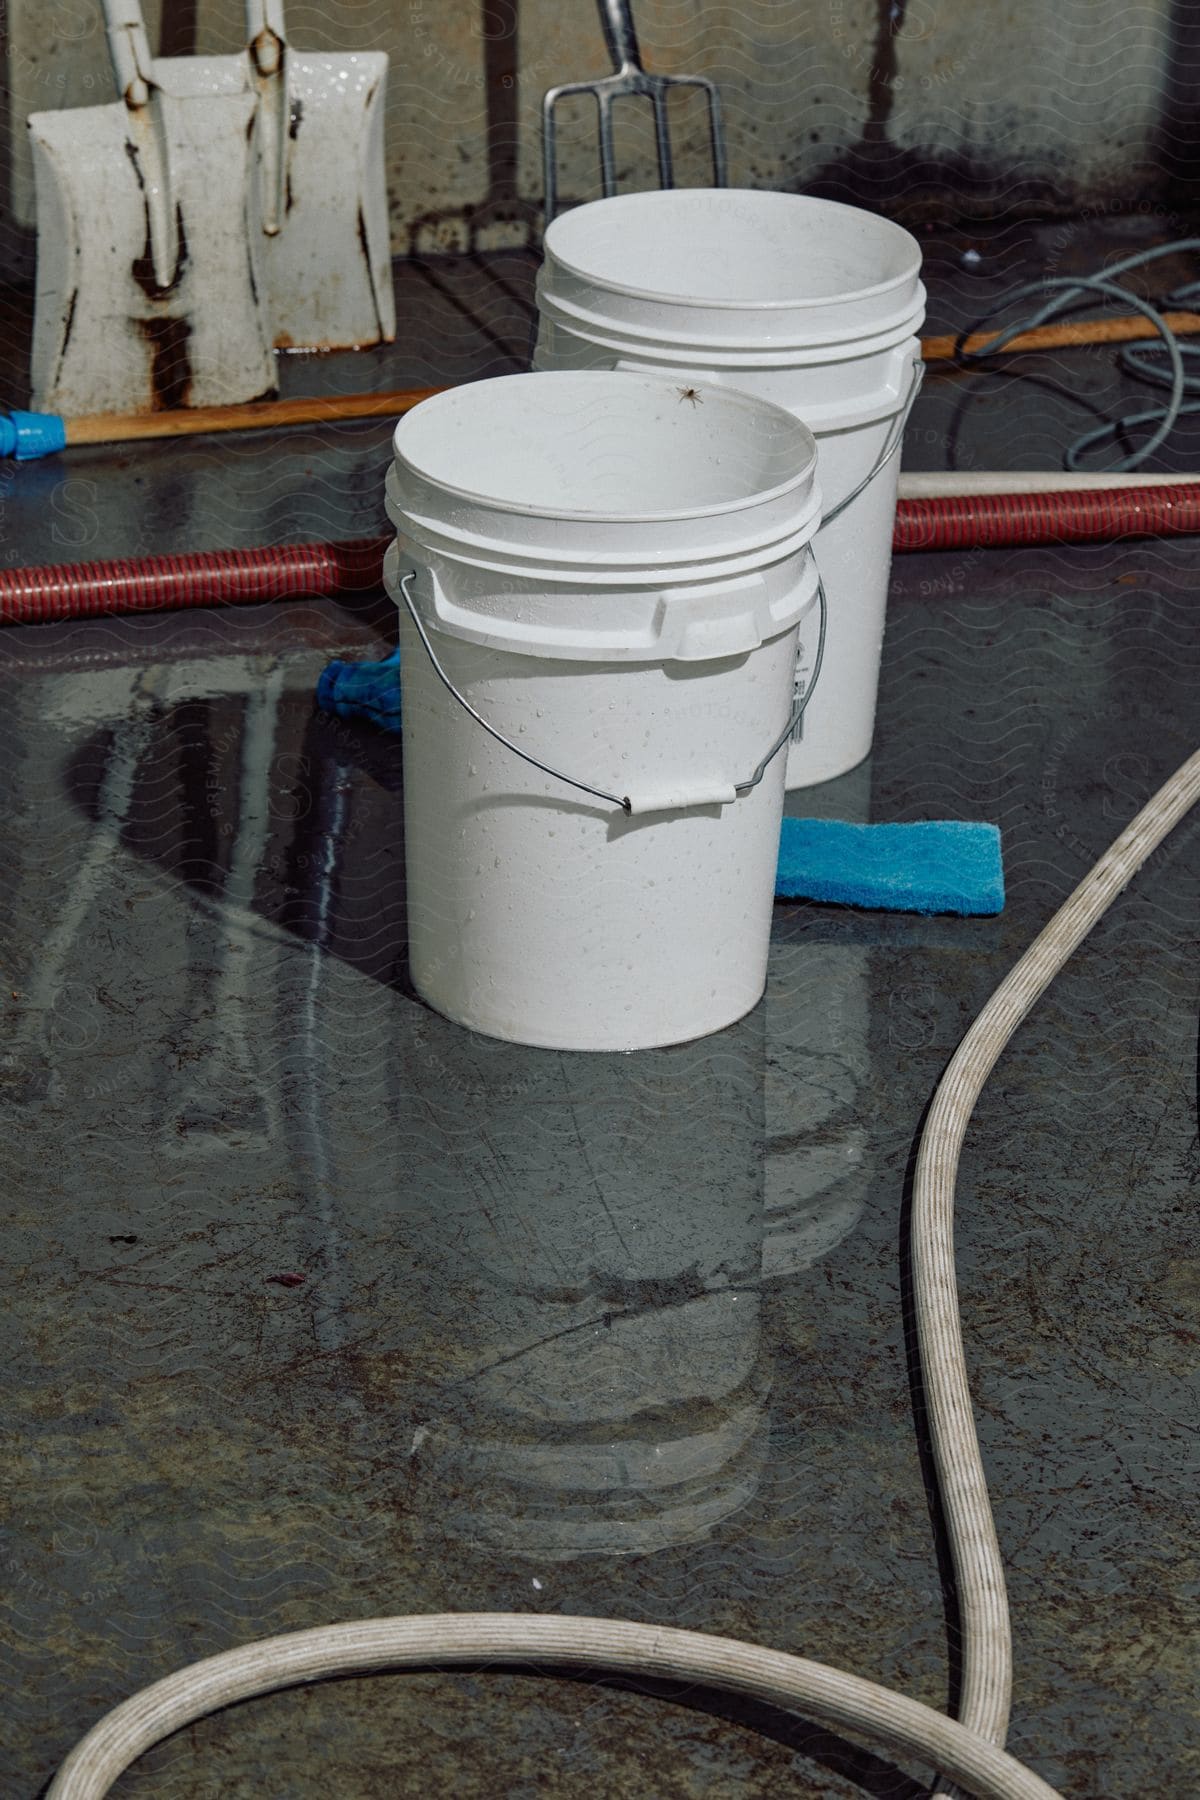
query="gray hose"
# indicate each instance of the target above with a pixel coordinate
(967, 1752)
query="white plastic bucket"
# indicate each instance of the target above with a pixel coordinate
(612, 575)
(804, 302)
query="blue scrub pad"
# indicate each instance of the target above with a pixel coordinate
(933, 866)
(938, 866)
(365, 690)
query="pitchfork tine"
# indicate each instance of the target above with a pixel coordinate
(630, 78)
(608, 161)
(715, 123)
(549, 160)
(550, 100)
(666, 172)
(717, 133)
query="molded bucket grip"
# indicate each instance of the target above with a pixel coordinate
(894, 441)
(673, 799)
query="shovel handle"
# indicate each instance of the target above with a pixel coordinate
(129, 50)
(267, 51)
(265, 16)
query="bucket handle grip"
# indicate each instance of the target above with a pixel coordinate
(623, 802)
(894, 439)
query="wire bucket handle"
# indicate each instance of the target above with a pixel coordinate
(895, 438)
(662, 803)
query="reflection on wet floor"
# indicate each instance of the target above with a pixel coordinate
(327, 1307)
(590, 1284)
(607, 1383)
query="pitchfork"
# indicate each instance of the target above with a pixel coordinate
(630, 78)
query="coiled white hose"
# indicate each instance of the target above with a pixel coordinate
(979, 1573)
(967, 1752)
(545, 1641)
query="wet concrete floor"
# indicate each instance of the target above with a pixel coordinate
(319, 1307)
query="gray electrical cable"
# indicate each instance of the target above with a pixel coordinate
(1067, 291)
(968, 1752)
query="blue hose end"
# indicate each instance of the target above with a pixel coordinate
(28, 435)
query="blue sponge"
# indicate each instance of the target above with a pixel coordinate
(365, 690)
(938, 866)
(934, 866)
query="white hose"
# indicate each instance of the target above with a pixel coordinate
(983, 1606)
(967, 1752)
(965, 484)
(545, 1641)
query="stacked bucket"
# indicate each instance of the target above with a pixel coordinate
(617, 578)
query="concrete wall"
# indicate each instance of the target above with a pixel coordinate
(916, 106)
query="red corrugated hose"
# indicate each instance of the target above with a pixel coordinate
(298, 571)
(1080, 516)
(198, 578)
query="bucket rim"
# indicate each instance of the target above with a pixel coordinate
(753, 349)
(649, 199)
(505, 558)
(805, 477)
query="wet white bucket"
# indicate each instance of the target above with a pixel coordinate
(804, 302)
(611, 574)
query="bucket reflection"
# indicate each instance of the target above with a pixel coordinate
(597, 1244)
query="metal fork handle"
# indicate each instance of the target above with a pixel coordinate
(622, 801)
(616, 19)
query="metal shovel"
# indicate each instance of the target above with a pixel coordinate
(317, 202)
(616, 19)
(321, 193)
(148, 294)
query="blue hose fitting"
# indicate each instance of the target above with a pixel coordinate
(28, 435)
